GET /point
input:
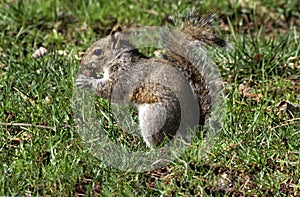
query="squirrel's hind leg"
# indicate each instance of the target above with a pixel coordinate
(159, 122)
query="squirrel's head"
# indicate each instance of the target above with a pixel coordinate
(103, 51)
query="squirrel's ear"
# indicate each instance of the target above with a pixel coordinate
(115, 36)
(115, 29)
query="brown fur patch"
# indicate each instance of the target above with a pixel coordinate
(147, 93)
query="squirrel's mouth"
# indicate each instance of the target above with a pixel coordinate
(99, 74)
(92, 72)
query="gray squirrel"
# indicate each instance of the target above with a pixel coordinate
(159, 108)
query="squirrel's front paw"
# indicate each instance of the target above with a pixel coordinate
(84, 81)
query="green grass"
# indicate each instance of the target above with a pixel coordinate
(257, 152)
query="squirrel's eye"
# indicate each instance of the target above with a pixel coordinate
(97, 52)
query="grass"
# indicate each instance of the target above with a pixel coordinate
(257, 152)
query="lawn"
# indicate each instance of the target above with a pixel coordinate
(257, 150)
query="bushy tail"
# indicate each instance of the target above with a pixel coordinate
(200, 27)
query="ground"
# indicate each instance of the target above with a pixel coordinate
(257, 151)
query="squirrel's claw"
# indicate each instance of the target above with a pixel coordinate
(83, 81)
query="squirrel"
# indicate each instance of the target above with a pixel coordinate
(114, 57)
